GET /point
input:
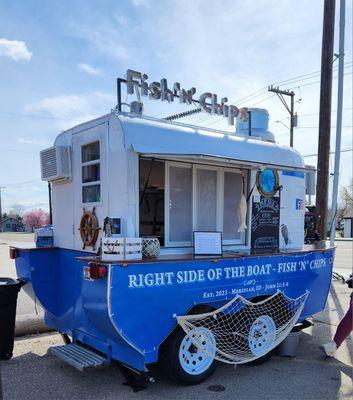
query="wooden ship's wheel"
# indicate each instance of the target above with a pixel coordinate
(89, 228)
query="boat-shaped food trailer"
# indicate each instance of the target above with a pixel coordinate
(170, 181)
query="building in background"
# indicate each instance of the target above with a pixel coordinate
(13, 225)
(347, 222)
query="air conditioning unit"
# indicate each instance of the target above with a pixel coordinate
(55, 163)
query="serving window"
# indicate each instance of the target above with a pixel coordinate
(194, 198)
(90, 167)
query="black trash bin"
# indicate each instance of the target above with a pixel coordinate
(9, 289)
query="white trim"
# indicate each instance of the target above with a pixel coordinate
(136, 162)
(88, 163)
(110, 314)
(167, 242)
(220, 202)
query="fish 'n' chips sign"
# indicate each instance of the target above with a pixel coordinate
(137, 81)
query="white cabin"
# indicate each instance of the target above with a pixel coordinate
(167, 179)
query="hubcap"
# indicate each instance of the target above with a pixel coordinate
(262, 335)
(195, 358)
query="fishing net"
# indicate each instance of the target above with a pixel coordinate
(242, 331)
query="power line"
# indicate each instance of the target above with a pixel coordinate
(23, 183)
(261, 101)
(331, 152)
(347, 65)
(263, 90)
(39, 116)
(19, 151)
(316, 127)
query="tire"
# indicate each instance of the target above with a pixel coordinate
(178, 355)
(261, 360)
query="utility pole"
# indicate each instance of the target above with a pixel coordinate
(323, 160)
(1, 187)
(336, 173)
(293, 118)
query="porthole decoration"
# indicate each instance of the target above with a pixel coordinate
(267, 182)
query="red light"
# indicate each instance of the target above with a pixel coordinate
(13, 253)
(94, 271)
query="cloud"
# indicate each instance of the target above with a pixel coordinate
(72, 108)
(88, 69)
(105, 39)
(139, 3)
(15, 49)
(25, 141)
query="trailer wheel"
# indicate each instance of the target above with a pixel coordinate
(261, 360)
(186, 363)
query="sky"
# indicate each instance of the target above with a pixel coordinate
(59, 62)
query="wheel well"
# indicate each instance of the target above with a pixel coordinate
(195, 309)
(261, 297)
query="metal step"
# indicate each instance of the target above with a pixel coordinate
(78, 356)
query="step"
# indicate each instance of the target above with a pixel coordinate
(78, 356)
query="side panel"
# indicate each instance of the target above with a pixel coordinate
(145, 297)
(96, 133)
(292, 208)
(129, 313)
(73, 305)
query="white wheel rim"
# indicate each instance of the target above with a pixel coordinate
(262, 335)
(197, 359)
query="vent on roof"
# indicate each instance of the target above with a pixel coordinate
(55, 163)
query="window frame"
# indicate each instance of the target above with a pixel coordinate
(167, 242)
(238, 171)
(220, 201)
(218, 196)
(92, 183)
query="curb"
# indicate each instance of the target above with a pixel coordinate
(29, 325)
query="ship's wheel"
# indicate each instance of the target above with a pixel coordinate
(89, 228)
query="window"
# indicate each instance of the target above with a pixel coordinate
(178, 198)
(232, 191)
(90, 152)
(151, 201)
(179, 204)
(90, 159)
(206, 199)
(91, 173)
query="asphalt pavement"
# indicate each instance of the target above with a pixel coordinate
(33, 374)
(30, 314)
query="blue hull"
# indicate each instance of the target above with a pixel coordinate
(129, 313)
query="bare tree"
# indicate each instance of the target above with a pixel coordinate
(346, 200)
(16, 211)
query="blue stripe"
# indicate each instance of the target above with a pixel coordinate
(298, 174)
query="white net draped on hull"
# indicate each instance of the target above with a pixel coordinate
(242, 331)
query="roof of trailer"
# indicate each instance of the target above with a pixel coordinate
(157, 137)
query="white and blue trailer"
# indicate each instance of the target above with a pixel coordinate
(167, 180)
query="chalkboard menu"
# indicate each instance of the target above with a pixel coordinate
(265, 223)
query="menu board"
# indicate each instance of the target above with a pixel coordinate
(265, 223)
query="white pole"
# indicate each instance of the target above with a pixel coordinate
(336, 172)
